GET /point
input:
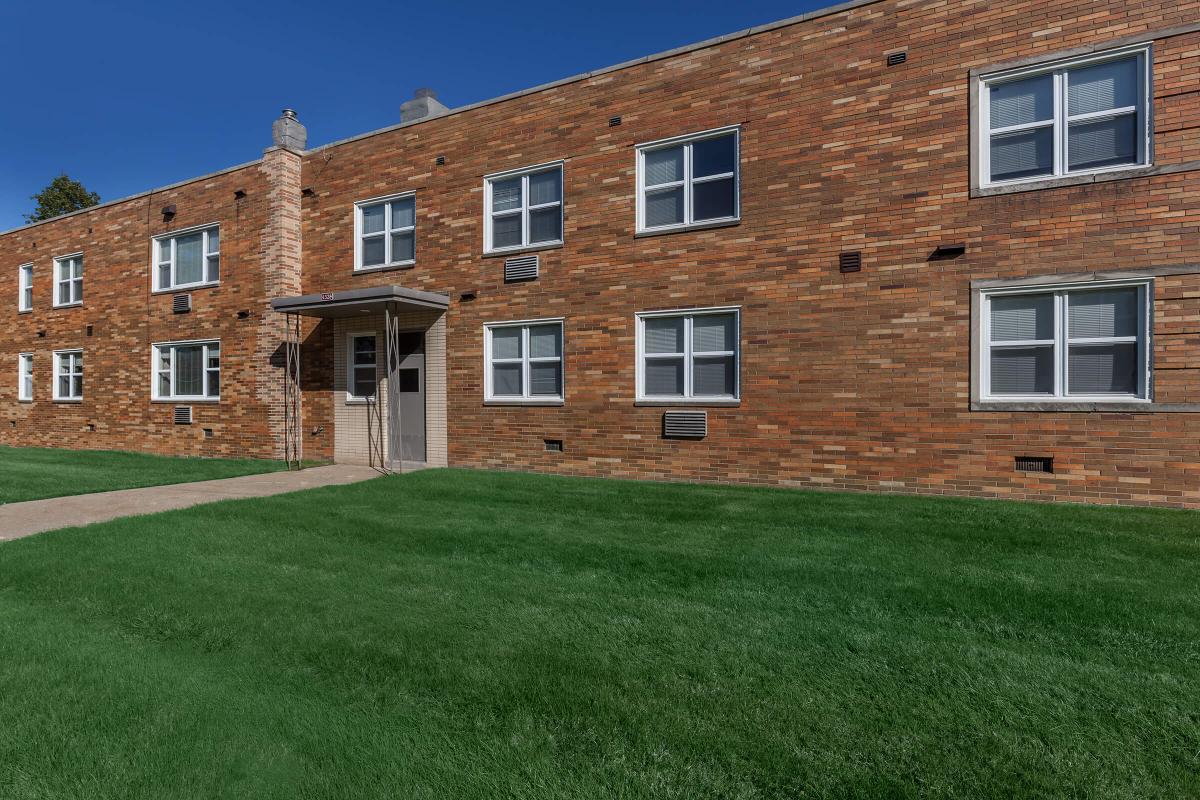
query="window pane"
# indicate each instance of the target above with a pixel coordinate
(713, 156)
(506, 231)
(713, 199)
(664, 207)
(64, 386)
(1023, 155)
(64, 292)
(1021, 102)
(1022, 318)
(545, 341)
(214, 241)
(1102, 313)
(164, 384)
(364, 382)
(664, 377)
(404, 213)
(545, 225)
(506, 194)
(372, 218)
(214, 268)
(403, 247)
(545, 379)
(1102, 86)
(214, 383)
(164, 250)
(77, 267)
(1023, 370)
(1102, 369)
(372, 251)
(189, 258)
(545, 187)
(164, 276)
(506, 343)
(664, 165)
(189, 371)
(713, 333)
(506, 379)
(712, 376)
(1107, 143)
(364, 350)
(664, 335)
(77, 386)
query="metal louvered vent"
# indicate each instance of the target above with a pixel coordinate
(685, 424)
(183, 415)
(181, 303)
(554, 445)
(896, 59)
(850, 261)
(1035, 464)
(521, 268)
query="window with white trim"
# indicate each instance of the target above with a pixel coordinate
(68, 280)
(187, 371)
(1071, 343)
(386, 232)
(25, 287)
(1066, 118)
(688, 355)
(187, 258)
(524, 361)
(523, 208)
(362, 366)
(25, 377)
(688, 181)
(68, 375)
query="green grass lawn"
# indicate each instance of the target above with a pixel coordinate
(453, 634)
(33, 473)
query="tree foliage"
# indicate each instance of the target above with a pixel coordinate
(62, 196)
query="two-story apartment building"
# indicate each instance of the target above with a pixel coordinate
(938, 247)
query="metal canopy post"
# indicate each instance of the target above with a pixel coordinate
(292, 422)
(395, 442)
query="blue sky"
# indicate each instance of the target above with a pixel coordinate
(126, 96)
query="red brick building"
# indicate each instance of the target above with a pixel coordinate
(937, 247)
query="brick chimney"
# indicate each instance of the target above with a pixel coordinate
(424, 104)
(287, 132)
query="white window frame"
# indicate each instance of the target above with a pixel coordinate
(387, 232)
(25, 288)
(1061, 342)
(688, 181)
(59, 280)
(351, 368)
(689, 355)
(524, 211)
(156, 261)
(59, 355)
(525, 398)
(1059, 69)
(25, 377)
(156, 371)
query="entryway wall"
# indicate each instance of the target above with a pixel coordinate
(351, 420)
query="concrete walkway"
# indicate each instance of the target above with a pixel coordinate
(35, 516)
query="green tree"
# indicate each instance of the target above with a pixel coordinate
(62, 196)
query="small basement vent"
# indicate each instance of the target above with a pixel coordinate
(685, 424)
(183, 415)
(1035, 464)
(896, 59)
(522, 268)
(181, 303)
(850, 261)
(554, 445)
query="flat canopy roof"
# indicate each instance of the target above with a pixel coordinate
(359, 301)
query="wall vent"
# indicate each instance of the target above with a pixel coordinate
(1035, 464)
(183, 415)
(554, 445)
(440, 161)
(208, 433)
(521, 268)
(896, 59)
(614, 122)
(685, 424)
(181, 303)
(850, 261)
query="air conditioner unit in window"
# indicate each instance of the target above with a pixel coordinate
(685, 424)
(183, 415)
(522, 268)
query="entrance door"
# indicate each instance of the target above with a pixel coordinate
(409, 388)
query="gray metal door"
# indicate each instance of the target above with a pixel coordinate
(409, 388)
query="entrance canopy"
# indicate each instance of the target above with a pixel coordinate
(352, 302)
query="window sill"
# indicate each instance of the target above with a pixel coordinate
(519, 402)
(189, 288)
(1120, 406)
(696, 226)
(68, 401)
(25, 401)
(24, 311)
(211, 401)
(385, 268)
(698, 402)
(516, 251)
(68, 305)
(1084, 179)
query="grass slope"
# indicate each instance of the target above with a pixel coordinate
(471, 635)
(33, 473)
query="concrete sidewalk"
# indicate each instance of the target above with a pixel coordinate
(35, 516)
